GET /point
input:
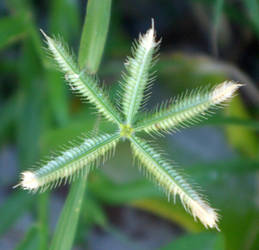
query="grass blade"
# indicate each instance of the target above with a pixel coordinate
(10, 213)
(94, 34)
(68, 220)
(30, 241)
(253, 12)
(12, 29)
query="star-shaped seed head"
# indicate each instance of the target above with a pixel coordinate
(169, 116)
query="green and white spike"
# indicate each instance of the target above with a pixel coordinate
(81, 83)
(166, 176)
(187, 109)
(70, 163)
(137, 76)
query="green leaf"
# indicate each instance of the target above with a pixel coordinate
(218, 9)
(242, 138)
(8, 115)
(30, 241)
(94, 34)
(9, 210)
(12, 30)
(58, 97)
(233, 121)
(68, 26)
(42, 222)
(252, 7)
(65, 231)
(201, 241)
(92, 212)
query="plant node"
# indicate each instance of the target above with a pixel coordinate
(125, 130)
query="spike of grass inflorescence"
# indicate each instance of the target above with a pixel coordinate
(70, 163)
(137, 77)
(165, 175)
(188, 109)
(81, 83)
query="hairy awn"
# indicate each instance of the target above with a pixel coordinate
(166, 117)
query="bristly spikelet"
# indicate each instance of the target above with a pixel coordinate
(165, 174)
(224, 91)
(81, 83)
(138, 77)
(187, 109)
(29, 181)
(70, 163)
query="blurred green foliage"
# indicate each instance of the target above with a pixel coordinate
(37, 114)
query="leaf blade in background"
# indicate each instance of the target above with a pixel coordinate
(252, 7)
(218, 9)
(30, 240)
(64, 235)
(68, 26)
(201, 241)
(12, 29)
(10, 213)
(241, 138)
(94, 34)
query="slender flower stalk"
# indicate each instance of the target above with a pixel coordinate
(167, 117)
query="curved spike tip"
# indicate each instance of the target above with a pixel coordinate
(148, 39)
(29, 181)
(224, 91)
(207, 215)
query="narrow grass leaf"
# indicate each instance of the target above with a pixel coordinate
(94, 34)
(30, 241)
(12, 30)
(252, 7)
(65, 231)
(10, 213)
(69, 26)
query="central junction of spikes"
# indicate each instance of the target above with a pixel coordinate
(125, 130)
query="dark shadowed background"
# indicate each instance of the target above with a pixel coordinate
(203, 42)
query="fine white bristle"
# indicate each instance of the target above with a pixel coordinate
(148, 39)
(29, 181)
(207, 215)
(224, 91)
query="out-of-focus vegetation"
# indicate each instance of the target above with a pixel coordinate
(204, 42)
